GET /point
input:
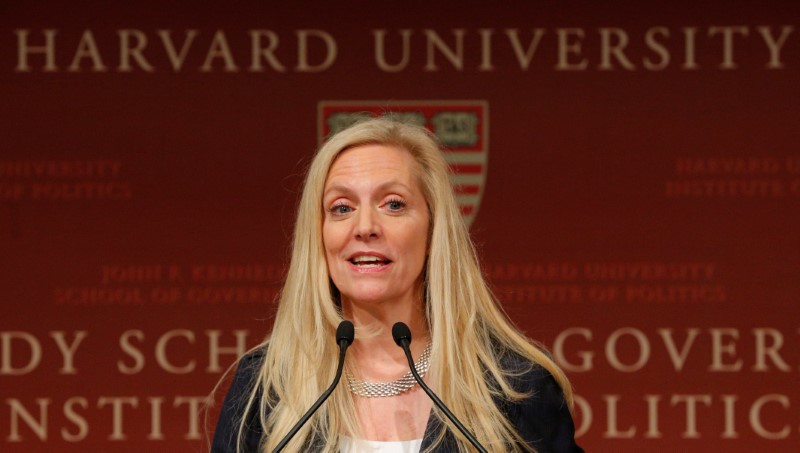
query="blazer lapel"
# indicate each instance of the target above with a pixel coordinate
(432, 430)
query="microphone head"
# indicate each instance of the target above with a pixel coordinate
(346, 332)
(400, 332)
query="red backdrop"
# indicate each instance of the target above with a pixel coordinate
(635, 202)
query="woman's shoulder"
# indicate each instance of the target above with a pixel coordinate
(542, 416)
(251, 361)
(247, 370)
(244, 380)
(522, 371)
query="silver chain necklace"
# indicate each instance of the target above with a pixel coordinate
(391, 388)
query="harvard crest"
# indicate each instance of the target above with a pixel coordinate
(461, 126)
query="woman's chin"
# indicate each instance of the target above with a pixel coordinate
(367, 297)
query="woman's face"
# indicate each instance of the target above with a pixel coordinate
(375, 227)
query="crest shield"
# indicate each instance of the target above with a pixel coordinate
(462, 127)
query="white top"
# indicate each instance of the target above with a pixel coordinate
(349, 445)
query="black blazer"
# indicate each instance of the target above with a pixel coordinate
(542, 419)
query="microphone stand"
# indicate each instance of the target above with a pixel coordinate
(344, 335)
(402, 336)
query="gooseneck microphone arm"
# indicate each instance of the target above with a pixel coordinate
(344, 337)
(402, 336)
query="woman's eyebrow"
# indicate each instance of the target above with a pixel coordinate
(336, 188)
(341, 188)
(392, 184)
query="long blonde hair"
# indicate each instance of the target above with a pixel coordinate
(469, 331)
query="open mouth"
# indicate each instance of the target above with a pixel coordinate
(369, 261)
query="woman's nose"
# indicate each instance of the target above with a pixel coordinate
(367, 224)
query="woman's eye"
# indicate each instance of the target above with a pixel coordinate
(395, 205)
(340, 209)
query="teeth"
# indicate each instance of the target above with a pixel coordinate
(366, 259)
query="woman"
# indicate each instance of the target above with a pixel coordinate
(379, 239)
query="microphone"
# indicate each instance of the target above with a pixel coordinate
(344, 337)
(402, 336)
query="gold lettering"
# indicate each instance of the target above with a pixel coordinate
(755, 417)
(126, 51)
(215, 350)
(380, 50)
(76, 418)
(302, 50)
(727, 43)
(155, 418)
(132, 351)
(68, 350)
(586, 356)
(87, 48)
(24, 49)
(657, 47)
(193, 403)
(611, 349)
(691, 412)
(176, 59)
(117, 412)
(525, 57)
(729, 401)
(17, 411)
(719, 349)
(678, 358)
(268, 53)
(219, 49)
(689, 61)
(762, 350)
(652, 417)
(454, 55)
(586, 415)
(775, 45)
(609, 48)
(161, 351)
(6, 367)
(486, 49)
(567, 48)
(612, 430)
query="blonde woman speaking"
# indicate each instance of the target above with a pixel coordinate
(379, 239)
